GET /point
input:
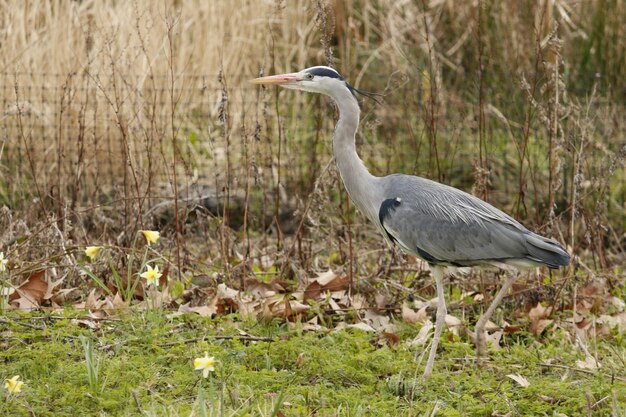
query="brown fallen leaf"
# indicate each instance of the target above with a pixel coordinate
(262, 289)
(537, 327)
(204, 311)
(512, 329)
(326, 277)
(51, 286)
(30, 294)
(326, 282)
(411, 316)
(312, 291)
(118, 302)
(392, 338)
(539, 319)
(283, 307)
(91, 303)
(539, 312)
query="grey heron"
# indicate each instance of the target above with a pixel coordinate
(440, 224)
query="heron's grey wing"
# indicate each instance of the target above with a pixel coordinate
(444, 225)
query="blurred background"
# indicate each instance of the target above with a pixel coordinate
(121, 116)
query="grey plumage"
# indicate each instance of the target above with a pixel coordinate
(447, 226)
(440, 224)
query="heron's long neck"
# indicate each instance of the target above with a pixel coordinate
(361, 185)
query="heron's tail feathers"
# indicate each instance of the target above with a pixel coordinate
(547, 251)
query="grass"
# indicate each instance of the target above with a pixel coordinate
(126, 116)
(145, 367)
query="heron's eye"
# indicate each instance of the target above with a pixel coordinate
(308, 76)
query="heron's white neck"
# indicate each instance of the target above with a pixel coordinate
(360, 184)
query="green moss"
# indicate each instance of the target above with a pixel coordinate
(146, 359)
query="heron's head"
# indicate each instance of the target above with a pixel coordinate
(324, 80)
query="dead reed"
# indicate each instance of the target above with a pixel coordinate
(122, 116)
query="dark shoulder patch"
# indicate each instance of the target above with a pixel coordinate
(387, 207)
(325, 72)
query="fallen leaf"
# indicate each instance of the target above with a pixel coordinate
(90, 324)
(312, 291)
(539, 312)
(454, 324)
(378, 321)
(411, 316)
(512, 329)
(549, 400)
(392, 338)
(118, 302)
(492, 327)
(51, 286)
(326, 282)
(523, 382)
(204, 311)
(423, 335)
(539, 319)
(537, 327)
(618, 320)
(91, 303)
(30, 294)
(618, 303)
(225, 292)
(325, 277)
(493, 339)
(361, 326)
(589, 363)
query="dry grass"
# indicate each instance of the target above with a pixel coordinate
(124, 115)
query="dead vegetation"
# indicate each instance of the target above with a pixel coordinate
(117, 118)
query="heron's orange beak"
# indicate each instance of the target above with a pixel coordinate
(281, 79)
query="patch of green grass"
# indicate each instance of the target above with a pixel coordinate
(145, 363)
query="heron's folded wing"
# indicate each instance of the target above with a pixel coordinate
(457, 236)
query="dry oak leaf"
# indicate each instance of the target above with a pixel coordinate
(327, 281)
(411, 316)
(204, 311)
(30, 294)
(538, 319)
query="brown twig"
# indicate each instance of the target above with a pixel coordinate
(583, 371)
(239, 337)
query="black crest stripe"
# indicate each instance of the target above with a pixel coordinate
(325, 72)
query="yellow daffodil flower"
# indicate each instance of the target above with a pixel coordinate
(204, 364)
(92, 251)
(3, 262)
(13, 385)
(152, 236)
(152, 275)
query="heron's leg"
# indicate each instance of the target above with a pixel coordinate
(441, 319)
(481, 346)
